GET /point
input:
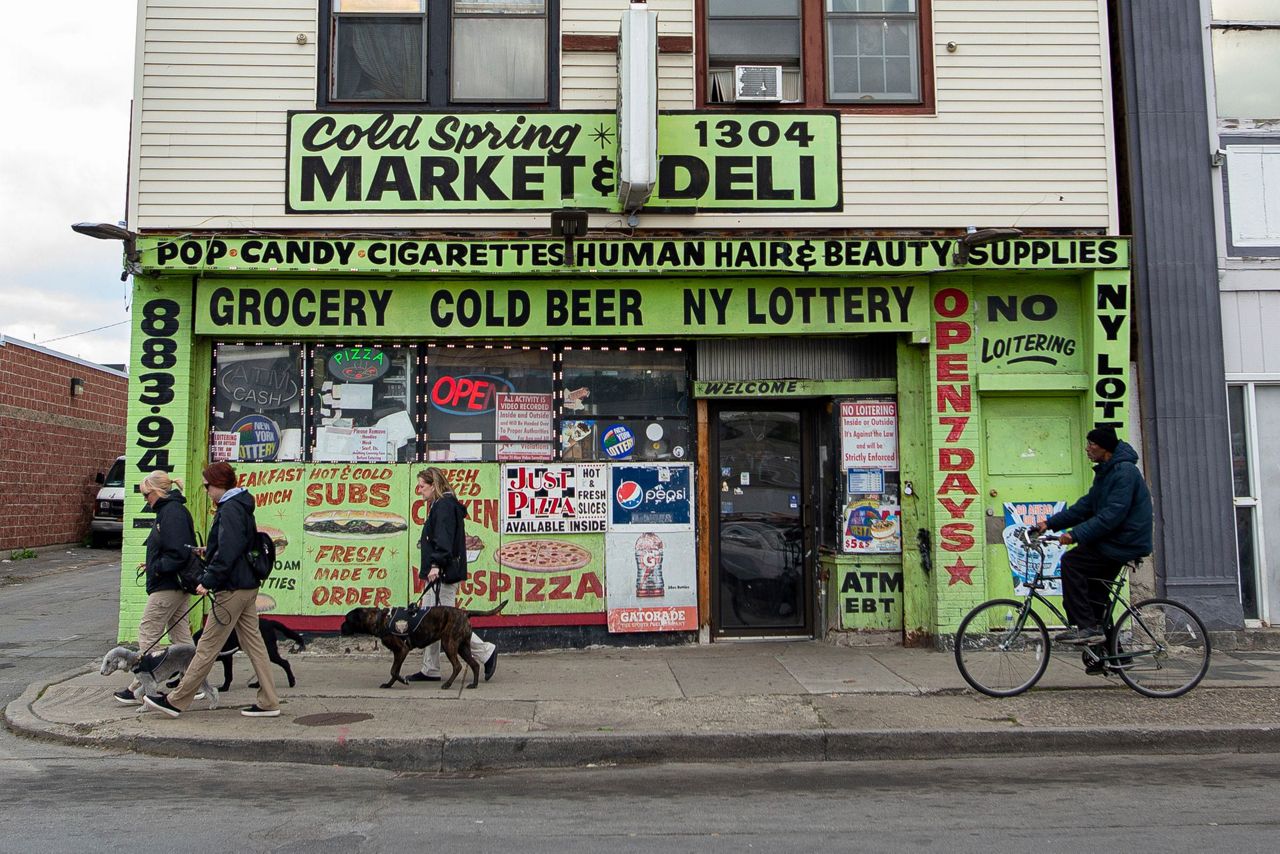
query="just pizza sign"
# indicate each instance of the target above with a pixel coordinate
(554, 499)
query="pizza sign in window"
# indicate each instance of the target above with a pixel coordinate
(554, 499)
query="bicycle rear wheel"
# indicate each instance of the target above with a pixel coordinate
(1161, 648)
(1000, 650)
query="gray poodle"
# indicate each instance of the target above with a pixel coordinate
(156, 669)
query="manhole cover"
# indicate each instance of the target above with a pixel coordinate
(332, 718)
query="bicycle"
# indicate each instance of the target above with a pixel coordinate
(1158, 647)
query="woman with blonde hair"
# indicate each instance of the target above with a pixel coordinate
(169, 545)
(444, 559)
(229, 580)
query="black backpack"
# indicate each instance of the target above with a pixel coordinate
(190, 572)
(261, 555)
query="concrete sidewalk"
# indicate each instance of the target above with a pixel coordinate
(795, 701)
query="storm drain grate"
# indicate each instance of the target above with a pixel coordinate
(333, 718)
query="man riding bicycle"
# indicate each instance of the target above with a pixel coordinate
(1111, 525)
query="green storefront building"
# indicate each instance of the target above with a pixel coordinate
(656, 439)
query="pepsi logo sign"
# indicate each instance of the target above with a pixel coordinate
(629, 494)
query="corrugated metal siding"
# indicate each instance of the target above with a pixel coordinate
(1022, 134)
(866, 357)
(1178, 307)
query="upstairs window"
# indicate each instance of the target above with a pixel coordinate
(816, 53)
(873, 50)
(433, 53)
(499, 50)
(752, 33)
(379, 50)
(1246, 58)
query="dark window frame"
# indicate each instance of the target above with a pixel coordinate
(439, 37)
(813, 25)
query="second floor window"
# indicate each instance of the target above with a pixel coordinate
(436, 52)
(848, 52)
(499, 50)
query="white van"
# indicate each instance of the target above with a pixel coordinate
(108, 507)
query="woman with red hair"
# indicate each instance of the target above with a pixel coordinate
(229, 581)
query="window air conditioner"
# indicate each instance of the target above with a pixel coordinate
(757, 82)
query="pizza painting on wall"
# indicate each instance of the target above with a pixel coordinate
(541, 575)
(543, 556)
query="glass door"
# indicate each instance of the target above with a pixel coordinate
(1255, 457)
(763, 580)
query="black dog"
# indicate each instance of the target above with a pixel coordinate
(270, 629)
(450, 626)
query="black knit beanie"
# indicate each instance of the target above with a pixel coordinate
(1105, 438)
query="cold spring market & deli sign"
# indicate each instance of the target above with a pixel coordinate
(437, 162)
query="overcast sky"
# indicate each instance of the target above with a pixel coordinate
(64, 159)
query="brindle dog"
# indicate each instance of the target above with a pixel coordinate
(450, 626)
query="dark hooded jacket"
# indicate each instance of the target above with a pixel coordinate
(169, 543)
(1115, 516)
(230, 538)
(444, 540)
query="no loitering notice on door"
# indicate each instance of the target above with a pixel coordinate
(869, 434)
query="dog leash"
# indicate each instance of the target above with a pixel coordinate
(174, 623)
(435, 585)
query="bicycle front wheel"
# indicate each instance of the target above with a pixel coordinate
(1002, 649)
(1159, 648)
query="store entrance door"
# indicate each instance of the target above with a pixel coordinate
(762, 548)
(1034, 452)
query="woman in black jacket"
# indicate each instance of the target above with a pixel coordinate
(169, 545)
(231, 584)
(443, 553)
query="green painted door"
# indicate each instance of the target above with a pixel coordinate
(1034, 457)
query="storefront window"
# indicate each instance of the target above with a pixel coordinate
(356, 402)
(362, 403)
(490, 404)
(624, 404)
(257, 403)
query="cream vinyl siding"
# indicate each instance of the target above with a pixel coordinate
(1022, 133)
(601, 17)
(589, 81)
(215, 83)
(1249, 323)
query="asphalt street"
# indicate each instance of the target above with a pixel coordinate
(55, 798)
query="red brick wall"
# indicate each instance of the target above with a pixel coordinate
(52, 445)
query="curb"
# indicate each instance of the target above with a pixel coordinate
(459, 754)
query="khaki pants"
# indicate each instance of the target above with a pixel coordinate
(163, 613)
(481, 649)
(232, 609)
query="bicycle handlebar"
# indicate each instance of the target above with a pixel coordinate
(1029, 537)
